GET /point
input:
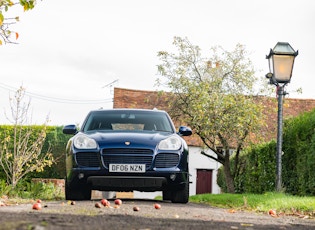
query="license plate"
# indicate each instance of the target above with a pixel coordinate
(127, 168)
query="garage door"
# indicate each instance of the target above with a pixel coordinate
(204, 181)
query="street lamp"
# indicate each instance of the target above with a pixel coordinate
(281, 61)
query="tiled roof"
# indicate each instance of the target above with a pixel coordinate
(129, 98)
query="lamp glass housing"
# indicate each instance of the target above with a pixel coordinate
(281, 61)
(282, 68)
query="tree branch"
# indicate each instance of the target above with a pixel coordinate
(212, 157)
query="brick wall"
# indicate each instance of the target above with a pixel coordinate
(128, 98)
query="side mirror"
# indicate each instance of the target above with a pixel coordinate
(70, 129)
(184, 131)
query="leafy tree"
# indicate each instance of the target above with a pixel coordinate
(215, 96)
(56, 143)
(5, 22)
(20, 149)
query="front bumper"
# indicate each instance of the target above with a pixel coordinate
(148, 182)
(127, 182)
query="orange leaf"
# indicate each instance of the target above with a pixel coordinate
(16, 35)
(0, 42)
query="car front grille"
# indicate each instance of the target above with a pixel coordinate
(127, 151)
(127, 156)
(88, 159)
(166, 160)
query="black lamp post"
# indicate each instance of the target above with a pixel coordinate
(281, 61)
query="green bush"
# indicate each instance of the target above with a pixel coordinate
(257, 173)
(29, 190)
(299, 154)
(55, 142)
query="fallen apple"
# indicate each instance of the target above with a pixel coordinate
(37, 206)
(105, 202)
(118, 201)
(272, 212)
(136, 208)
(72, 202)
(157, 206)
(39, 201)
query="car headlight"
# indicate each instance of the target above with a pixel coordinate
(171, 143)
(84, 142)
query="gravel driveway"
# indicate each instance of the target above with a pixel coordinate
(84, 215)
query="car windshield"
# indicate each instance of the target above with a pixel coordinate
(128, 121)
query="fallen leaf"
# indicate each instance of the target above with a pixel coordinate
(231, 211)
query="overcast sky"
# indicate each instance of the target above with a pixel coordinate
(70, 51)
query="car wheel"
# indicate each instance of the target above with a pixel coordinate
(167, 195)
(78, 193)
(181, 196)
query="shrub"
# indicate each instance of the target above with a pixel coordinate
(257, 173)
(29, 190)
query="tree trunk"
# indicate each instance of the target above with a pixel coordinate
(228, 175)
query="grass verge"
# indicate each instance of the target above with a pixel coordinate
(280, 202)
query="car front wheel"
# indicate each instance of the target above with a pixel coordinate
(167, 195)
(78, 193)
(181, 196)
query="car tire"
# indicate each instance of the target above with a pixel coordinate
(181, 196)
(167, 195)
(78, 193)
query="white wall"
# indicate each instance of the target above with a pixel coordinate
(199, 161)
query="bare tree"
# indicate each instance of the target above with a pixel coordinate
(21, 145)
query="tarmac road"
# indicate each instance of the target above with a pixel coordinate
(84, 215)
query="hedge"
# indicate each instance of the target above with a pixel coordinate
(258, 163)
(56, 143)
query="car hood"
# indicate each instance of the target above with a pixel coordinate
(131, 139)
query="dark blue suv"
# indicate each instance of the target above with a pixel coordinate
(126, 150)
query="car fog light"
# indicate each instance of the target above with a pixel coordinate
(81, 175)
(173, 177)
